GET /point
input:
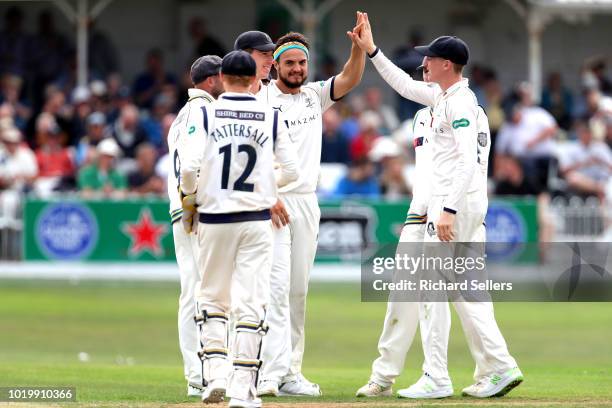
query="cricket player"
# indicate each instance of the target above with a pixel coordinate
(206, 87)
(296, 215)
(227, 163)
(456, 210)
(261, 47)
(401, 319)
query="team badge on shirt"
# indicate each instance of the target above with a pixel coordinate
(482, 139)
(431, 230)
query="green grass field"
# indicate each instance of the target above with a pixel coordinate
(129, 332)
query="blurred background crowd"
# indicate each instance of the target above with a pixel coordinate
(109, 138)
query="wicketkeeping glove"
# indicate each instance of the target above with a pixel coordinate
(189, 217)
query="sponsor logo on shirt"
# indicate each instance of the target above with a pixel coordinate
(240, 115)
(302, 121)
(463, 122)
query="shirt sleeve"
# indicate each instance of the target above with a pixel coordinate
(325, 92)
(30, 166)
(462, 117)
(547, 119)
(605, 153)
(284, 150)
(420, 192)
(565, 154)
(191, 147)
(403, 83)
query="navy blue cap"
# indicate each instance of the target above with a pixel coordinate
(239, 63)
(256, 40)
(453, 49)
(203, 67)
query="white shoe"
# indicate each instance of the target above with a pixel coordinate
(250, 403)
(373, 389)
(214, 391)
(495, 385)
(299, 387)
(193, 391)
(426, 387)
(267, 388)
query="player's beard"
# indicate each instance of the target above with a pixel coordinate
(218, 89)
(291, 85)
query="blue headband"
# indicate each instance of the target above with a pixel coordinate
(288, 46)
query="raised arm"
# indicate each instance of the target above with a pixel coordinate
(353, 69)
(397, 79)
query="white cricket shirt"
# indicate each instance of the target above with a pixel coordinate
(302, 113)
(229, 154)
(178, 130)
(454, 123)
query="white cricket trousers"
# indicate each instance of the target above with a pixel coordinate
(295, 246)
(185, 247)
(401, 321)
(485, 341)
(234, 262)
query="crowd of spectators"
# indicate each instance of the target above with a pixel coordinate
(108, 139)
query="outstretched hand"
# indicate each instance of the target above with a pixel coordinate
(360, 19)
(362, 33)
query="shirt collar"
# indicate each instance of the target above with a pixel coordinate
(276, 90)
(235, 96)
(199, 93)
(463, 83)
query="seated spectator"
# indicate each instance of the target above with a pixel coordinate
(350, 112)
(335, 147)
(152, 124)
(127, 131)
(96, 131)
(55, 166)
(529, 138)
(586, 164)
(510, 178)
(495, 113)
(57, 106)
(388, 118)
(149, 83)
(101, 178)
(144, 180)
(360, 180)
(11, 95)
(165, 163)
(17, 171)
(558, 100)
(18, 167)
(369, 122)
(387, 153)
(81, 101)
